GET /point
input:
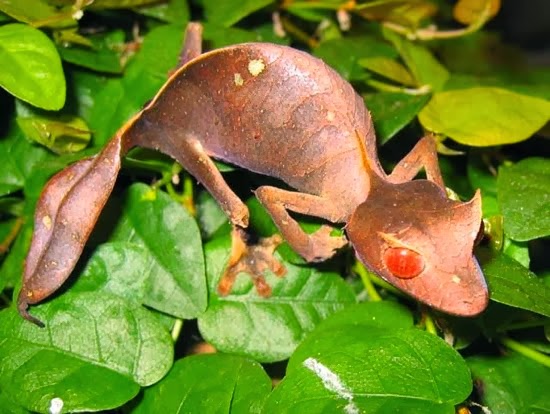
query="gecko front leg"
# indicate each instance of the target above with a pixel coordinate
(314, 247)
(255, 259)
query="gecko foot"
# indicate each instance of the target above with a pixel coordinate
(254, 260)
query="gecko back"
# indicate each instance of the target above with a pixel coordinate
(270, 109)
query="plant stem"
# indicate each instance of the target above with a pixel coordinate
(367, 282)
(10, 237)
(526, 351)
(299, 34)
(386, 286)
(386, 87)
(176, 329)
(187, 198)
(429, 323)
(350, 5)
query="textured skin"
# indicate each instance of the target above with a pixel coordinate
(283, 113)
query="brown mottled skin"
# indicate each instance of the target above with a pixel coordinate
(280, 112)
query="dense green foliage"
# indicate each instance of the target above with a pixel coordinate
(124, 333)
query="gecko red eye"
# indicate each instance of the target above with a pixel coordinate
(403, 263)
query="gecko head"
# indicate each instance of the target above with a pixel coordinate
(421, 242)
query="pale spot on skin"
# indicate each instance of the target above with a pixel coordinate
(239, 81)
(47, 222)
(56, 405)
(256, 66)
(332, 382)
(330, 116)
(456, 279)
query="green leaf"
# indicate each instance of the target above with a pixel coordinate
(363, 316)
(18, 157)
(36, 12)
(93, 353)
(519, 251)
(485, 116)
(9, 406)
(213, 384)
(245, 323)
(144, 75)
(219, 36)
(422, 64)
(512, 284)
(532, 83)
(31, 66)
(372, 369)
(133, 272)
(389, 69)
(103, 56)
(391, 112)
(11, 268)
(173, 11)
(480, 176)
(209, 214)
(227, 13)
(169, 234)
(13, 206)
(512, 384)
(61, 134)
(524, 198)
(344, 54)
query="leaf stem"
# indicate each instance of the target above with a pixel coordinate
(10, 237)
(367, 282)
(298, 33)
(386, 87)
(526, 351)
(432, 33)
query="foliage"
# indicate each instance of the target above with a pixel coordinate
(122, 334)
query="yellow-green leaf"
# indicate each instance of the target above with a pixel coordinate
(485, 116)
(62, 135)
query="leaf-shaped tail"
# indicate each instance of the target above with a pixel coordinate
(65, 215)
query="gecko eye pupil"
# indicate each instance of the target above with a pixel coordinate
(403, 263)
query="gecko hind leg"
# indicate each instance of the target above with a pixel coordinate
(252, 259)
